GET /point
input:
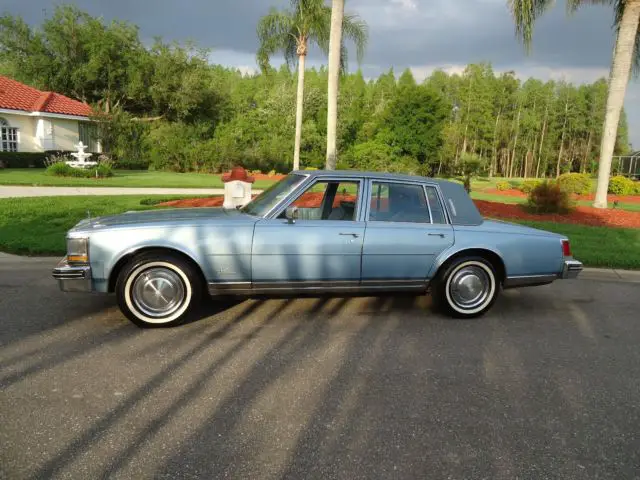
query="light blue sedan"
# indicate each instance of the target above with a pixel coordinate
(321, 232)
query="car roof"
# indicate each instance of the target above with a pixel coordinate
(359, 174)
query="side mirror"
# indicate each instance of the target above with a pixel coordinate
(292, 214)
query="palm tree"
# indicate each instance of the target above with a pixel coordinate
(343, 26)
(292, 32)
(627, 49)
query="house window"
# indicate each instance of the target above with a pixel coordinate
(88, 135)
(8, 137)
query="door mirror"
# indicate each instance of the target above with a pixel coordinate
(292, 214)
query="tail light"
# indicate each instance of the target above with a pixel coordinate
(566, 248)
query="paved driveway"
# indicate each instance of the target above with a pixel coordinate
(547, 386)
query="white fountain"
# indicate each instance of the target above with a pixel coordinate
(81, 157)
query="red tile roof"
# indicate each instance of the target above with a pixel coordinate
(18, 96)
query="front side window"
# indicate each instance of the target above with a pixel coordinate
(328, 200)
(269, 198)
(8, 137)
(398, 202)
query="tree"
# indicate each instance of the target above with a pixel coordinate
(627, 19)
(292, 32)
(343, 26)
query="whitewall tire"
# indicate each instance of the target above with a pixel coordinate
(467, 287)
(158, 290)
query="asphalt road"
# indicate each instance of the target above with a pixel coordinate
(546, 386)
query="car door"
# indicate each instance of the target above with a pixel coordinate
(406, 229)
(322, 248)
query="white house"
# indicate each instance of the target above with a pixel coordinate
(35, 121)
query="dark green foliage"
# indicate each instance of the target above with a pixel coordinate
(23, 159)
(549, 197)
(27, 159)
(620, 185)
(578, 183)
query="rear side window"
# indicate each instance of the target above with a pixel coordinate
(398, 202)
(437, 211)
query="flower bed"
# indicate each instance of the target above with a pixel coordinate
(589, 198)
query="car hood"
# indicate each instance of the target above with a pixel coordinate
(500, 226)
(165, 216)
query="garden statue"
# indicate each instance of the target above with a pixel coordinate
(237, 188)
(81, 157)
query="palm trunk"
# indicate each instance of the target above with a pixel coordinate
(335, 44)
(619, 78)
(299, 112)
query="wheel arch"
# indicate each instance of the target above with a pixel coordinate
(126, 258)
(493, 257)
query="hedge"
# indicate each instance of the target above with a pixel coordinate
(28, 159)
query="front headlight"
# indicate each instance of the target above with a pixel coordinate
(78, 250)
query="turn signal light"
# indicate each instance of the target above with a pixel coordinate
(566, 248)
(77, 259)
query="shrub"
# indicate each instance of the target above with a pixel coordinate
(61, 169)
(502, 185)
(620, 185)
(549, 197)
(131, 164)
(528, 185)
(515, 184)
(637, 187)
(578, 183)
(23, 159)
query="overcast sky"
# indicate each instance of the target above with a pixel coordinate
(419, 34)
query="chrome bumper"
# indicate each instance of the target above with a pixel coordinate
(71, 278)
(572, 269)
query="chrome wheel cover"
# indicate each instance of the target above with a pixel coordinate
(470, 287)
(158, 292)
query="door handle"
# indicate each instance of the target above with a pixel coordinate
(354, 235)
(441, 235)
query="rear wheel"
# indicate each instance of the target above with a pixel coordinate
(467, 287)
(158, 290)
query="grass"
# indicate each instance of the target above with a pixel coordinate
(121, 178)
(37, 226)
(599, 246)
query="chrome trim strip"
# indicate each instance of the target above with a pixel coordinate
(528, 280)
(328, 286)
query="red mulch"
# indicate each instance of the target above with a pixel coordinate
(580, 216)
(611, 198)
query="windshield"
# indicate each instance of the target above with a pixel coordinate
(269, 198)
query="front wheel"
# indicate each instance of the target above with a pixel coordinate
(466, 288)
(158, 290)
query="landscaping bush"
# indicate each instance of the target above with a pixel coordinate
(528, 185)
(637, 187)
(131, 164)
(61, 169)
(578, 183)
(23, 159)
(620, 185)
(515, 184)
(502, 185)
(549, 197)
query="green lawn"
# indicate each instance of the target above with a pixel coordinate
(122, 178)
(37, 226)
